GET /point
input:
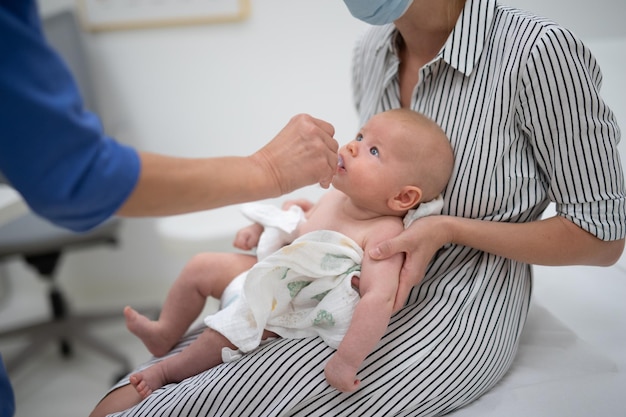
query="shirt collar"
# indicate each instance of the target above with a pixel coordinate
(466, 42)
(461, 51)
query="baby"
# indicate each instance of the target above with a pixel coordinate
(324, 283)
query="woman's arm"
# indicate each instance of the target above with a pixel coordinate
(553, 241)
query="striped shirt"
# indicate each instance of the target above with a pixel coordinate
(519, 99)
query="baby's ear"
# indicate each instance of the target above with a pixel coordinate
(406, 199)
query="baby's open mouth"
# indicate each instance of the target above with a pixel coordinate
(340, 162)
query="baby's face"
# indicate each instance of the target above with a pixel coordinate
(374, 165)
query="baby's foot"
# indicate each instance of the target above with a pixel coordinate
(146, 381)
(148, 331)
(140, 385)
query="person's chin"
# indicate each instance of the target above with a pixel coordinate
(336, 182)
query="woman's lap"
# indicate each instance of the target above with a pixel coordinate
(456, 340)
(286, 377)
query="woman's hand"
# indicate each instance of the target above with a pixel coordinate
(553, 241)
(419, 243)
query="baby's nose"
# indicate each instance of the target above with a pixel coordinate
(353, 148)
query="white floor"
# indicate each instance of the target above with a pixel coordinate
(590, 301)
(53, 386)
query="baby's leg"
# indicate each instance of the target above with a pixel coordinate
(205, 275)
(204, 353)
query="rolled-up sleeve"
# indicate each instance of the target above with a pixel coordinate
(52, 149)
(574, 134)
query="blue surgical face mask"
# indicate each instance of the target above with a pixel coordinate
(377, 12)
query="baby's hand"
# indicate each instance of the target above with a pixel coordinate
(304, 204)
(248, 237)
(341, 375)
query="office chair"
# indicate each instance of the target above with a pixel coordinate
(41, 245)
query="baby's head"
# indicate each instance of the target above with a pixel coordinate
(400, 158)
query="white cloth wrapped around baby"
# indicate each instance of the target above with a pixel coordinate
(301, 290)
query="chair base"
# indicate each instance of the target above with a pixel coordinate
(64, 331)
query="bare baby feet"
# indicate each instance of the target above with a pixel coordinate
(147, 381)
(148, 331)
(140, 385)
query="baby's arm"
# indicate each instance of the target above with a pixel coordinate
(247, 238)
(304, 204)
(377, 286)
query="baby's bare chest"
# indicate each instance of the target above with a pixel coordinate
(325, 220)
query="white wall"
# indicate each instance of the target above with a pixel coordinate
(228, 88)
(598, 19)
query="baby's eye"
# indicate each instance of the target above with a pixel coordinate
(359, 137)
(374, 151)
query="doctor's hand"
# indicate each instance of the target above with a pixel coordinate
(419, 243)
(303, 153)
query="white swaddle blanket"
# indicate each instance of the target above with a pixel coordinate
(300, 290)
(304, 289)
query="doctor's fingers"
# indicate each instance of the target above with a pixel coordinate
(305, 152)
(307, 130)
(320, 136)
(330, 152)
(319, 153)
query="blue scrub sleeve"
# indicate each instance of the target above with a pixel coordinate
(52, 150)
(7, 399)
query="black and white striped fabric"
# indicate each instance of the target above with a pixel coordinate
(518, 97)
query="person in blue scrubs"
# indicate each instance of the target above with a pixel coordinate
(56, 155)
